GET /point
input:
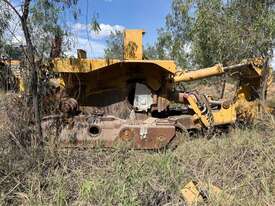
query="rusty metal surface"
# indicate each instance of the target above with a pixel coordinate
(187, 122)
(68, 105)
(147, 137)
(133, 44)
(199, 193)
(89, 131)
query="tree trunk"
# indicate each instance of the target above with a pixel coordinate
(30, 55)
(34, 77)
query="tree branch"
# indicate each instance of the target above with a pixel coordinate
(13, 8)
(30, 55)
(26, 9)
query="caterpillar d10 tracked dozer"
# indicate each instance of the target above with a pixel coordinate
(109, 101)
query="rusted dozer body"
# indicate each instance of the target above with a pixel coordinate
(109, 131)
(129, 100)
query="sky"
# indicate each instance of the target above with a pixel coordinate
(112, 15)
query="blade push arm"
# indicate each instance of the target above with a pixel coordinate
(251, 68)
(199, 74)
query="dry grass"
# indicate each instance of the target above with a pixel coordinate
(242, 163)
(271, 95)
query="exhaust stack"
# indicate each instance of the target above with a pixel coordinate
(133, 44)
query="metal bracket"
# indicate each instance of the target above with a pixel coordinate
(143, 132)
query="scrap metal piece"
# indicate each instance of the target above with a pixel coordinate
(198, 192)
(191, 194)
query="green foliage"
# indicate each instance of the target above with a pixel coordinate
(95, 25)
(162, 48)
(150, 52)
(114, 49)
(218, 31)
(13, 52)
(45, 23)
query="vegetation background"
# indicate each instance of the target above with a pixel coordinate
(198, 33)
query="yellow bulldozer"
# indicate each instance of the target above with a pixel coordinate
(130, 100)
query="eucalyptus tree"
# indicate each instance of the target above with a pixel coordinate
(114, 47)
(37, 17)
(205, 32)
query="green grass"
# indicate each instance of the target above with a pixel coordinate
(242, 165)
